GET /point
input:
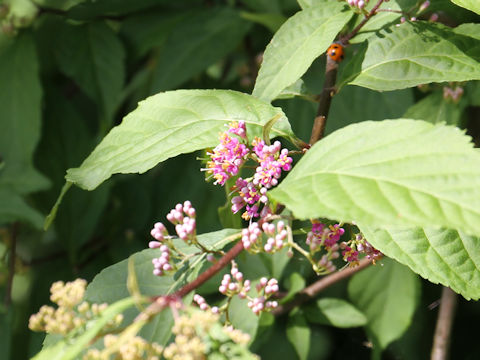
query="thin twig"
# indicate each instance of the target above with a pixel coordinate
(345, 39)
(311, 291)
(11, 264)
(441, 338)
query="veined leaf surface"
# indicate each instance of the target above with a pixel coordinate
(444, 256)
(299, 41)
(412, 54)
(169, 124)
(392, 172)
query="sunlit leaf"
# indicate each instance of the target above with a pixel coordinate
(393, 172)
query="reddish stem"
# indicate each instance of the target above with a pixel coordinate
(311, 291)
(345, 39)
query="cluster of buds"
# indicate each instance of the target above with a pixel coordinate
(229, 156)
(452, 94)
(353, 248)
(194, 333)
(252, 237)
(277, 235)
(183, 217)
(71, 314)
(360, 4)
(202, 304)
(162, 265)
(132, 348)
(234, 284)
(265, 288)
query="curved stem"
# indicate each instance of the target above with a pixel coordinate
(311, 291)
(345, 39)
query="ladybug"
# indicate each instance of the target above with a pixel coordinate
(335, 51)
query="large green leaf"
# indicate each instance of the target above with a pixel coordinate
(90, 9)
(473, 5)
(20, 114)
(444, 256)
(387, 294)
(335, 312)
(110, 284)
(298, 333)
(435, 109)
(93, 56)
(299, 41)
(13, 207)
(169, 124)
(195, 43)
(393, 172)
(412, 54)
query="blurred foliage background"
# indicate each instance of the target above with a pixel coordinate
(70, 70)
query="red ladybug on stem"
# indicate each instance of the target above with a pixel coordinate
(335, 51)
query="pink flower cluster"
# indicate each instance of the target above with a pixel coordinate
(234, 284)
(326, 236)
(183, 217)
(202, 304)
(252, 237)
(358, 3)
(277, 235)
(261, 303)
(252, 192)
(228, 157)
(162, 264)
(352, 249)
(230, 154)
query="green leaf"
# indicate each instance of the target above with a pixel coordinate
(387, 294)
(90, 9)
(93, 56)
(444, 256)
(13, 208)
(472, 30)
(111, 283)
(149, 30)
(298, 333)
(472, 5)
(435, 109)
(271, 21)
(296, 282)
(71, 349)
(196, 43)
(412, 54)
(20, 114)
(58, 4)
(335, 312)
(393, 172)
(374, 105)
(169, 124)
(299, 41)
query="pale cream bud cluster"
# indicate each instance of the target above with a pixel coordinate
(133, 348)
(191, 328)
(70, 314)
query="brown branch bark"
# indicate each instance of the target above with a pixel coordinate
(325, 100)
(311, 291)
(441, 338)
